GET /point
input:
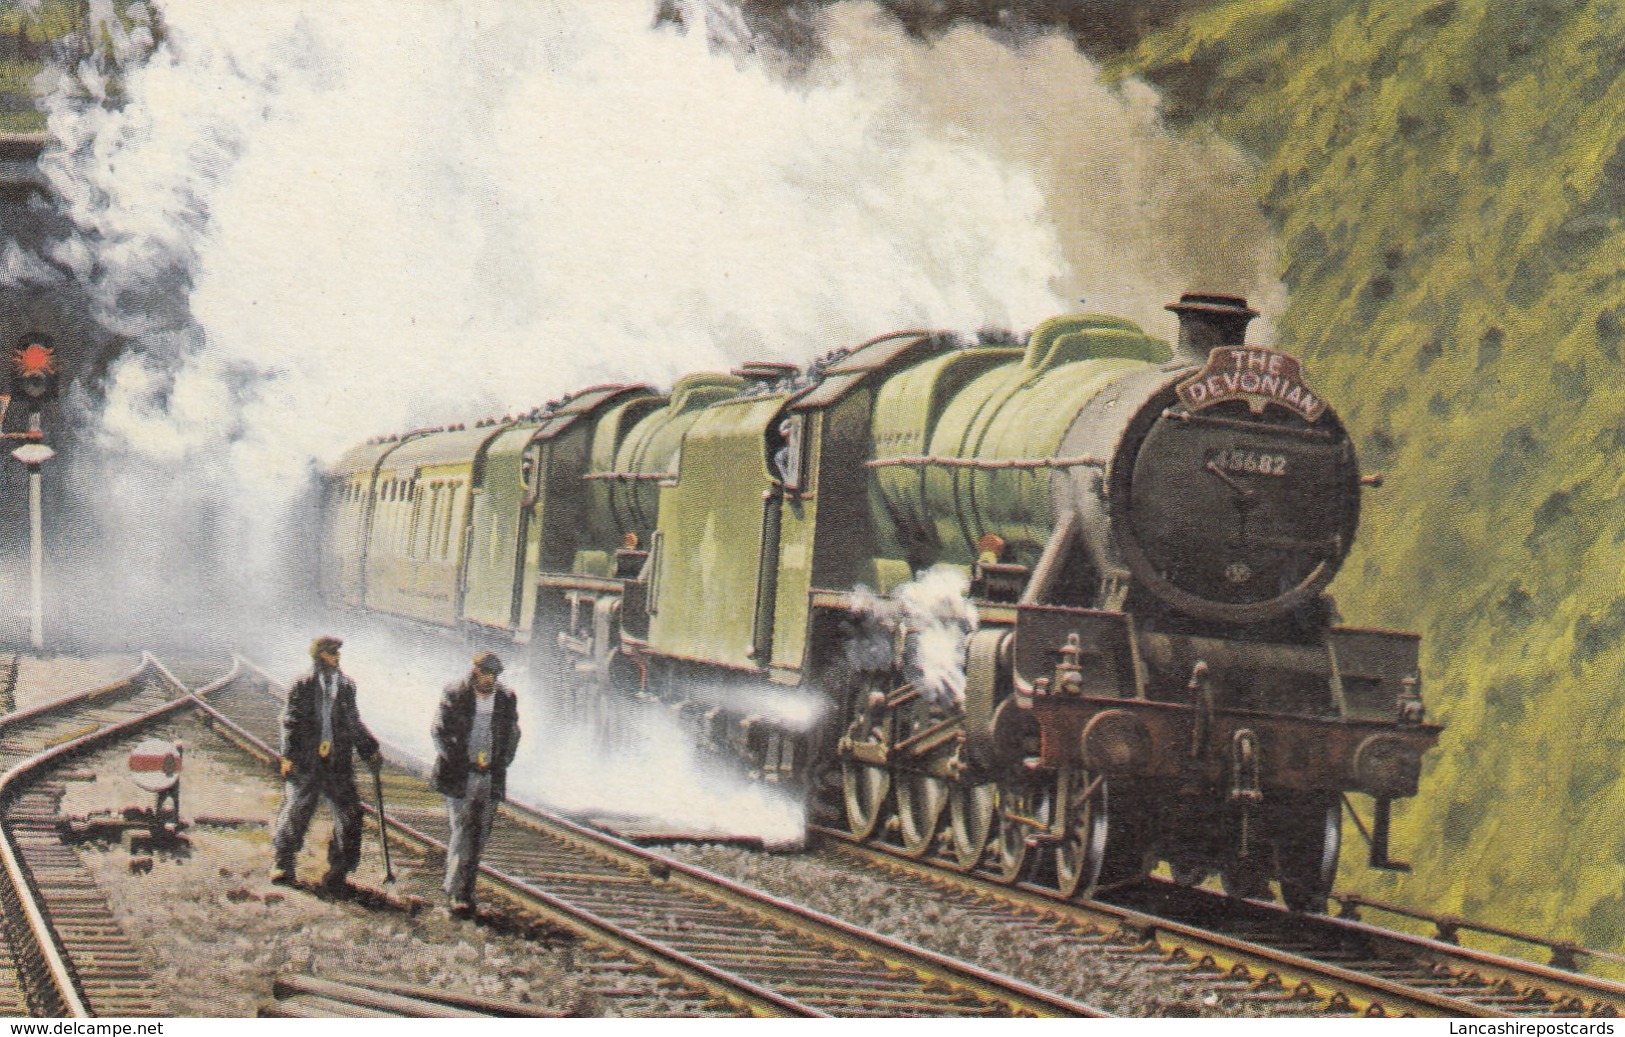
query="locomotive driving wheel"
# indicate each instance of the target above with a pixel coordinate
(971, 816)
(920, 800)
(866, 787)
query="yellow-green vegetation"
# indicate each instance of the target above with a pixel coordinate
(25, 39)
(1448, 181)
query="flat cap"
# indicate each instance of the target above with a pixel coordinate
(324, 644)
(488, 662)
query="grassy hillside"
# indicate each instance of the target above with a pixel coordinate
(1448, 180)
(27, 39)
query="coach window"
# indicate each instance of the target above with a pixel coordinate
(442, 529)
(430, 527)
(442, 532)
(414, 499)
(453, 493)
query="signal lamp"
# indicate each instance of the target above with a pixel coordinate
(34, 369)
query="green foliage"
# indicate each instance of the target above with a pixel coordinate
(1448, 182)
(24, 35)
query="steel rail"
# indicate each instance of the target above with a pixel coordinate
(1375, 995)
(985, 981)
(53, 959)
(928, 965)
(741, 992)
(1447, 929)
(1578, 986)
(1557, 991)
(484, 1005)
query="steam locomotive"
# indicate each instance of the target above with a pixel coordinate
(1148, 668)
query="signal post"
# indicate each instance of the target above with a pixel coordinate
(33, 372)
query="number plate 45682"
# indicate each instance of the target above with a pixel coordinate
(1248, 462)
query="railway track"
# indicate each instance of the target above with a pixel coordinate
(756, 953)
(1496, 985)
(733, 950)
(246, 713)
(71, 957)
(308, 997)
(1338, 966)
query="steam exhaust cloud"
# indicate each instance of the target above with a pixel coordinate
(311, 223)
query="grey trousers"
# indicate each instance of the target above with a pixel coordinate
(301, 795)
(471, 817)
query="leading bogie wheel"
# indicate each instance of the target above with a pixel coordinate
(1107, 841)
(1245, 880)
(1247, 861)
(1188, 874)
(1307, 842)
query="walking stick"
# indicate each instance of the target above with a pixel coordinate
(383, 823)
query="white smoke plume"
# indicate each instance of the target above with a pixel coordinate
(795, 710)
(936, 610)
(315, 222)
(18, 266)
(652, 778)
(381, 214)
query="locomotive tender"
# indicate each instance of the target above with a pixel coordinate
(1154, 671)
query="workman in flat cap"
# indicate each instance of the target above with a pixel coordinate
(321, 730)
(476, 734)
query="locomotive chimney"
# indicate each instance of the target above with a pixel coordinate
(1207, 322)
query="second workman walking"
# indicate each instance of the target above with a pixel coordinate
(476, 733)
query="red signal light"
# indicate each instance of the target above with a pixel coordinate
(34, 368)
(34, 360)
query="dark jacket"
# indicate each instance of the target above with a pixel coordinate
(302, 727)
(452, 727)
